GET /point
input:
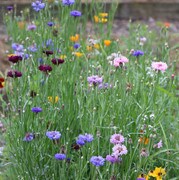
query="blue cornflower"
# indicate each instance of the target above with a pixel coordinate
(38, 5)
(17, 47)
(80, 142)
(68, 2)
(50, 23)
(59, 156)
(138, 53)
(53, 135)
(75, 13)
(28, 137)
(32, 48)
(97, 160)
(82, 139)
(76, 45)
(36, 109)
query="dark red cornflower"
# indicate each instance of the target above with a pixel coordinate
(45, 68)
(47, 52)
(1, 82)
(15, 59)
(14, 74)
(57, 61)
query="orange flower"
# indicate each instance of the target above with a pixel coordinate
(75, 38)
(167, 24)
(96, 19)
(107, 42)
(144, 140)
(21, 25)
(2, 82)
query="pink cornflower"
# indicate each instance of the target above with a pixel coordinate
(119, 150)
(117, 139)
(158, 145)
(121, 60)
(159, 66)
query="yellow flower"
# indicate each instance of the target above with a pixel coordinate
(146, 177)
(53, 99)
(96, 19)
(96, 46)
(103, 15)
(158, 173)
(89, 48)
(10, 55)
(107, 42)
(75, 38)
(78, 54)
(63, 57)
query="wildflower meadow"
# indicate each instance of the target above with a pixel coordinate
(83, 103)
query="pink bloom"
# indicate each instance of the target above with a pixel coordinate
(117, 139)
(158, 145)
(119, 150)
(121, 60)
(159, 66)
(113, 159)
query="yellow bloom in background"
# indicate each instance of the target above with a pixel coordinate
(103, 15)
(96, 19)
(21, 25)
(63, 56)
(89, 48)
(53, 99)
(75, 38)
(158, 173)
(146, 177)
(107, 42)
(10, 55)
(78, 54)
(96, 46)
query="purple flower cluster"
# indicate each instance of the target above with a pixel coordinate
(28, 137)
(45, 68)
(82, 139)
(15, 58)
(14, 74)
(38, 5)
(75, 13)
(53, 135)
(60, 156)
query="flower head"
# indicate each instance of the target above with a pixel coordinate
(38, 5)
(68, 2)
(10, 8)
(57, 61)
(75, 13)
(76, 45)
(117, 139)
(14, 58)
(121, 60)
(107, 42)
(53, 99)
(14, 74)
(112, 159)
(36, 109)
(138, 53)
(119, 150)
(59, 156)
(28, 137)
(53, 135)
(159, 66)
(2, 82)
(17, 47)
(45, 68)
(31, 27)
(48, 52)
(75, 38)
(97, 160)
(82, 139)
(158, 173)
(94, 80)
(50, 23)
(158, 145)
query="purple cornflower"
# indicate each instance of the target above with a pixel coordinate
(94, 80)
(97, 160)
(80, 142)
(113, 159)
(50, 23)
(82, 139)
(53, 135)
(45, 68)
(158, 145)
(68, 2)
(17, 47)
(49, 42)
(36, 109)
(76, 45)
(138, 53)
(59, 156)
(38, 5)
(15, 58)
(28, 137)
(104, 86)
(57, 61)
(9, 8)
(31, 27)
(14, 74)
(117, 139)
(75, 13)
(140, 178)
(32, 48)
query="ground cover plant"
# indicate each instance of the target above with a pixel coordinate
(84, 105)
